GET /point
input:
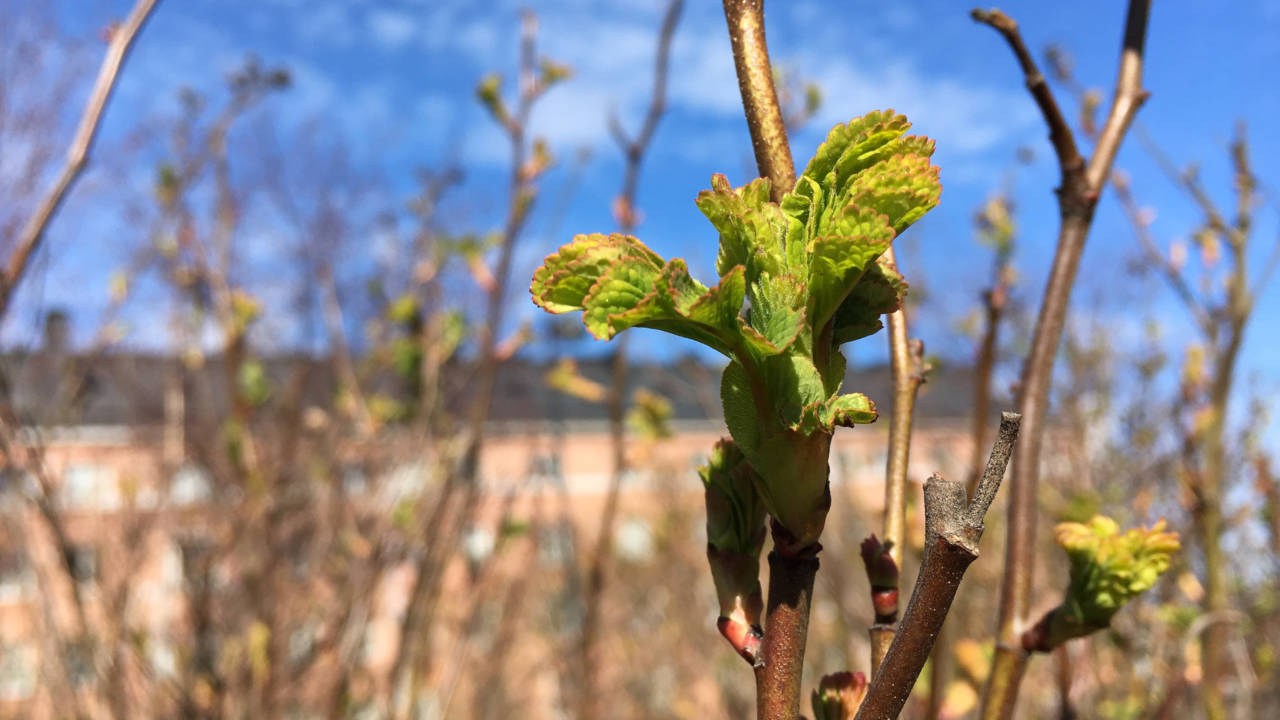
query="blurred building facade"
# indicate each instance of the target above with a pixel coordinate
(112, 436)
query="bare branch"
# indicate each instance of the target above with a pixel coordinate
(589, 700)
(907, 361)
(122, 38)
(759, 97)
(1077, 200)
(1175, 279)
(1064, 143)
(1128, 97)
(953, 528)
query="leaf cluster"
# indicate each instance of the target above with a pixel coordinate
(1109, 568)
(797, 279)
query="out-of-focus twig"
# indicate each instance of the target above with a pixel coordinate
(590, 699)
(953, 529)
(122, 37)
(1082, 184)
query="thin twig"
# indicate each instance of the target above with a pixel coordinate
(590, 699)
(1060, 135)
(953, 529)
(792, 569)
(122, 37)
(1171, 274)
(759, 96)
(907, 362)
(425, 595)
(1077, 199)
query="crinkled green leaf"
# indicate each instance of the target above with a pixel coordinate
(735, 515)
(565, 277)
(903, 187)
(853, 139)
(1108, 568)
(878, 291)
(848, 148)
(756, 344)
(777, 309)
(720, 307)
(837, 262)
(752, 229)
(840, 410)
(849, 410)
(866, 154)
(626, 286)
(630, 295)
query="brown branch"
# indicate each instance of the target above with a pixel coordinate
(425, 595)
(521, 202)
(792, 569)
(1077, 199)
(1171, 274)
(1128, 96)
(907, 363)
(778, 676)
(1060, 135)
(122, 37)
(589, 700)
(759, 97)
(994, 301)
(953, 529)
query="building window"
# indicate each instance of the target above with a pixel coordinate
(14, 576)
(17, 672)
(555, 545)
(190, 486)
(354, 480)
(82, 563)
(15, 484)
(633, 540)
(90, 487)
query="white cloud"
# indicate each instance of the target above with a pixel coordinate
(392, 29)
(612, 56)
(326, 23)
(964, 118)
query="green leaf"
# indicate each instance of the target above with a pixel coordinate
(793, 383)
(840, 410)
(254, 385)
(752, 229)
(903, 187)
(1108, 569)
(866, 155)
(680, 305)
(626, 286)
(735, 516)
(856, 138)
(738, 395)
(878, 291)
(837, 262)
(565, 277)
(849, 410)
(777, 309)
(720, 306)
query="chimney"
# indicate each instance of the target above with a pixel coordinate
(175, 417)
(57, 332)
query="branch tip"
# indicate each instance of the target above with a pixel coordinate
(997, 463)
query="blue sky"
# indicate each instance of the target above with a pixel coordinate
(394, 80)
